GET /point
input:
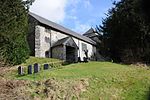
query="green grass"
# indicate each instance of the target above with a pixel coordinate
(33, 60)
(108, 81)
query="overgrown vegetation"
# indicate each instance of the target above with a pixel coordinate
(126, 35)
(13, 31)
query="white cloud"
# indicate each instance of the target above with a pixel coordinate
(74, 3)
(57, 11)
(71, 17)
(53, 10)
(81, 28)
(87, 4)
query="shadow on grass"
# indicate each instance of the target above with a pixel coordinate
(68, 63)
(148, 94)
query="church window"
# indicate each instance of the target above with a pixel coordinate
(84, 47)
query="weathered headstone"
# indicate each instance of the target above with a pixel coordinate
(36, 68)
(46, 66)
(20, 70)
(30, 69)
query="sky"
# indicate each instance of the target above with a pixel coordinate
(77, 15)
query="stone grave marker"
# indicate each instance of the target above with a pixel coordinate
(20, 70)
(30, 69)
(46, 66)
(36, 68)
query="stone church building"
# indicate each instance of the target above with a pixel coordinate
(51, 40)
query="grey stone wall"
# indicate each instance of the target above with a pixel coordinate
(44, 41)
(37, 42)
(59, 52)
(55, 36)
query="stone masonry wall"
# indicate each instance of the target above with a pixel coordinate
(42, 42)
(37, 41)
(45, 42)
(55, 36)
(59, 52)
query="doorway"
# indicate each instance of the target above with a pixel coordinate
(70, 54)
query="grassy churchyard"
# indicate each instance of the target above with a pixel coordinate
(86, 81)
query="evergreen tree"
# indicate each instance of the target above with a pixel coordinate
(126, 33)
(13, 32)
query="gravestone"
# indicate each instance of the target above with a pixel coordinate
(30, 69)
(36, 68)
(46, 66)
(20, 70)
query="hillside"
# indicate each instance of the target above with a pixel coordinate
(88, 81)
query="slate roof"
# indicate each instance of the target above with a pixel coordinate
(61, 28)
(90, 33)
(60, 42)
(66, 41)
(91, 30)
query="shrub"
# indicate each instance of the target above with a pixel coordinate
(13, 31)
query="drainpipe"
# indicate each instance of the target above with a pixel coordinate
(64, 53)
(79, 47)
(50, 44)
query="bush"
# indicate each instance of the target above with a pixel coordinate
(13, 31)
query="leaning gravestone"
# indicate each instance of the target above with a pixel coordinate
(46, 66)
(30, 69)
(36, 68)
(20, 70)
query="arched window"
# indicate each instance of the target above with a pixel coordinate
(47, 54)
